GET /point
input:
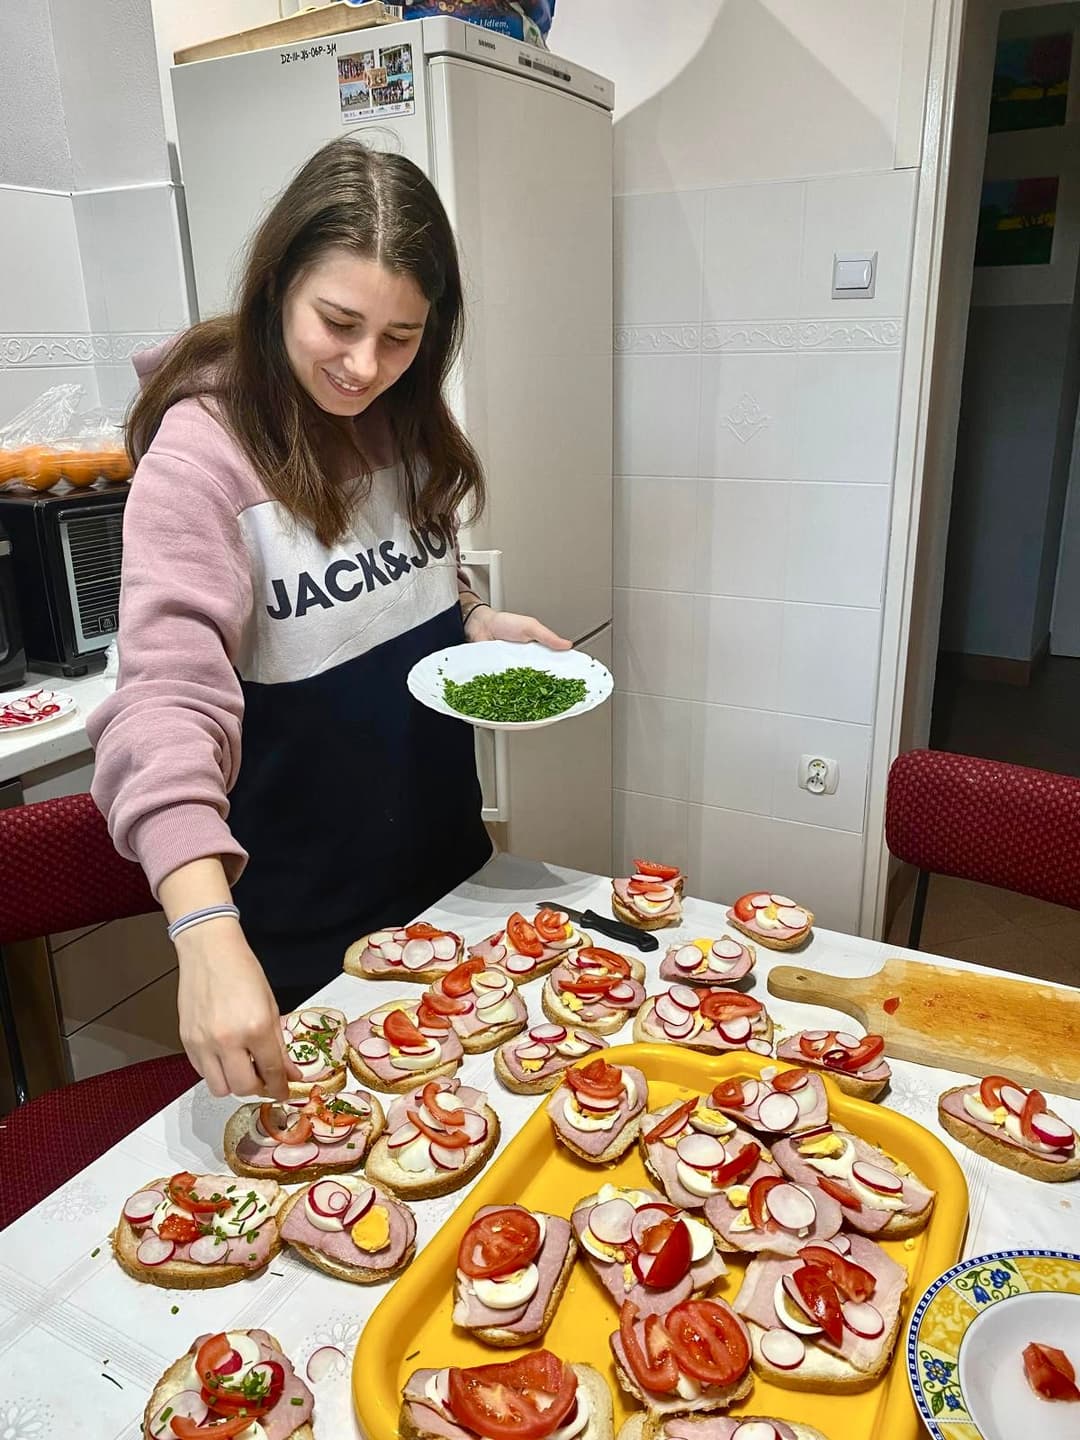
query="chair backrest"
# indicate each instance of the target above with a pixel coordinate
(59, 870)
(1003, 825)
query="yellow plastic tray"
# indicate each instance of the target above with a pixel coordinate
(412, 1327)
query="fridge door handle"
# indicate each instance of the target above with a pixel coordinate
(492, 746)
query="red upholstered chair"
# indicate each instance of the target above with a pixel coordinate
(61, 872)
(1003, 825)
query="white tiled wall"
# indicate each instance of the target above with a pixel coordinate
(755, 438)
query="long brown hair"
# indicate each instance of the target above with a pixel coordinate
(380, 207)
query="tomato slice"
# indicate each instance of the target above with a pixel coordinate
(721, 1005)
(674, 1122)
(592, 987)
(814, 1049)
(787, 1080)
(850, 1279)
(318, 1108)
(758, 1194)
(428, 1016)
(549, 926)
(672, 1260)
(210, 1356)
(614, 965)
(1050, 1372)
(1035, 1104)
(400, 1030)
(529, 1398)
(743, 909)
(840, 1192)
(710, 1344)
(654, 1368)
(822, 1300)
(499, 1243)
(869, 1049)
(729, 1094)
(658, 871)
(443, 1104)
(990, 1090)
(293, 1134)
(738, 1167)
(448, 1139)
(444, 1004)
(184, 1428)
(423, 931)
(182, 1229)
(524, 939)
(458, 982)
(597, 1079)
(181, 1192)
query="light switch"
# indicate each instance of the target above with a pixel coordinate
(854, 275)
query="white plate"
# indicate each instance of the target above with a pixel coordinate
(491, 657)
(60, 698)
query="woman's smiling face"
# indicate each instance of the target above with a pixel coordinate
(351, 328)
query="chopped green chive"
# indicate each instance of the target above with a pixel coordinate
(515, 695)
(95, 1253)
(175, 1310)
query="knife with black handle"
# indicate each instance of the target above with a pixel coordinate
(613, 929)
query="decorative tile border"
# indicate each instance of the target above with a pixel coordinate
(737, 337)
(40, 351)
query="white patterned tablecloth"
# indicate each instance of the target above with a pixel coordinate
(82, 1344)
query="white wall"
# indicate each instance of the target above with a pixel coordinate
(756, 418)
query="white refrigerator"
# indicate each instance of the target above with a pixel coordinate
(518, 143)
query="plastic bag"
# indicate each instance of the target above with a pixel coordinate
(528, 20)
(50, 441)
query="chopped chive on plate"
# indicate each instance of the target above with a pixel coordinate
(489, 688)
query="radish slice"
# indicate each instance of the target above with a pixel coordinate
(791, 1207)
(208, 1250)
(359, 1205)
(447, 1159)
(140, 1207)
(188, 1404)
(736, 1030)
(849, 1042)
(519, 964)
(783, 1349)
(873, 1176)
(759, 1046)
(683, 996)
(750, 1091)
(687, 957)
(840, 1243)
(644, 1219)
(154, 1251)
(373, 1048)
(589, 1102)
(548, 1034)
(329, 1198)
(756, 1430)
(393, 951)
(793, 917)
(417, 954)
(778, 1111)
(760, 901)
(611, 1222)
(727, 949)
(475, 1126)
(380, 937)
(666, 1010)
(326, 1362)
(622, 993)
(401, 936)
(338, 1047)
(295, 1157)
(496, 953)
(679, 1032)
(1013, 1098)
(489, 980)
(703, 1152)
(816, 1035)
(782, 900)
(864, 1320)
(533, 1052)
(1052, 1131)
(445, 947)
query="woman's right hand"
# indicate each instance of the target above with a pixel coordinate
(229, 1022)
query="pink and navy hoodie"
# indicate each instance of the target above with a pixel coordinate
(351, 806)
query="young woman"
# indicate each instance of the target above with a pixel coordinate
(289, 554)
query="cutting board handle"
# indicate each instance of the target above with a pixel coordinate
(812, 987)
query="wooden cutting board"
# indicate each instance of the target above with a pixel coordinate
(973, 1021)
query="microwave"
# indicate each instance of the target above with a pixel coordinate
(66, 547)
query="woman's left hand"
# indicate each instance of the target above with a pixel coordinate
(487, 624)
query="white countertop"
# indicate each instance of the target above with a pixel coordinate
(82, 1344)
(23, 751)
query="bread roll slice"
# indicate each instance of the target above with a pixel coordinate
(1011, 1156)
(354, 1274)
(239, 1124)
(173, 1380)
(383, 1169)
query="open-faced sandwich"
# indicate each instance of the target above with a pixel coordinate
(525, 949)
(709, 962)
(710, 1020)
(772, 920)
(479, 1003)
(512, 1268)
(194, 1232)
(437, 1138)
(350, 1228)
(320, 1136)
(400, 1043)
(642, 1248)
(828, 1318)
(777, 1102)
(651, 898)
(235, 1383)
(596, 988)
(315, 1044)
(858, 1066)
(534, 1063)
(1011, 1126)
(878, 1194)
(537, 1397)
(596, 1111)
(643, 1425)
(693, 1358)
(418, 952)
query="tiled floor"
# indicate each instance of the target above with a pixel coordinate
(1032, 725)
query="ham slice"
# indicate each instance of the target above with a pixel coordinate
(554, 1064)
(869, 1220)
(731, 972)
(471, 1314)
(362, 1029)
(339, 1244)
(755, 1301)
(953, 1104)
(790, 1049)
(426, 1416)
(595, 1142)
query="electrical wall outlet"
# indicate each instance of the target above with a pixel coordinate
(819, 775)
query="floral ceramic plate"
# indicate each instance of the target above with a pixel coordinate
(967, 1337)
